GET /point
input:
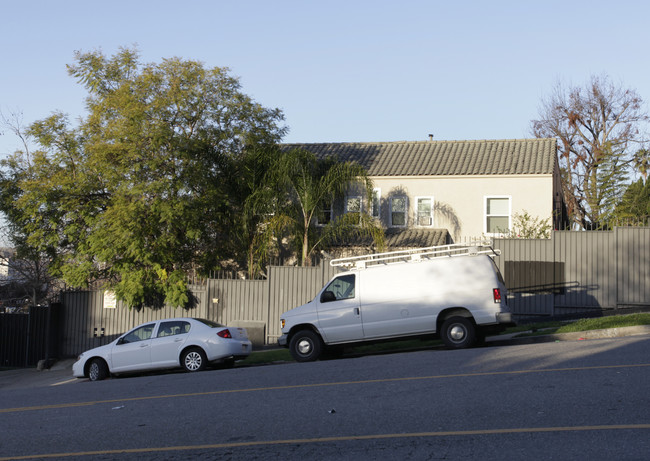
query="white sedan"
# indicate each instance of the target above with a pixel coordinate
(170, 343)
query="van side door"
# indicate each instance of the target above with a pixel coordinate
(397, 300)
(339, 317)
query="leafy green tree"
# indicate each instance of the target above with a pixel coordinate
(597, 127)
(297, 189)
(248, 176)
(31, 265)
(634, 207)
(528, 227)
(642, 163)
(137, 195)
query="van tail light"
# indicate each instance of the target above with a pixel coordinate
(496, 293)
(225, 333)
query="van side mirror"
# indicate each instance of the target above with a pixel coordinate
(327, 296)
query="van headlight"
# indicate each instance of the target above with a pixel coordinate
(282, 323)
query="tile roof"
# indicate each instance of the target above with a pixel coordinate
(402, 238)
(444, 158)
(415, 237)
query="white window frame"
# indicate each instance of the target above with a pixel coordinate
(375, 211)
(406, 211)
(486, 215)
(416, 211)
(347, 205)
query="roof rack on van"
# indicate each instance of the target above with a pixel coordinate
(417, 254)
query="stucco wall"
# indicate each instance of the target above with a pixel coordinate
(459, 201)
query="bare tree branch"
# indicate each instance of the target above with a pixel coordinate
(598, 128)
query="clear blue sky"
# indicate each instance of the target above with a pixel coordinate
(341, 70)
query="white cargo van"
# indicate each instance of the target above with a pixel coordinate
(454, 291)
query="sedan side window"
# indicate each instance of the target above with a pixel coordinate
(139, 334)
(173, 328)
(340, 288)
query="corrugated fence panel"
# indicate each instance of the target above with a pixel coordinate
(577, 271)
(633, 281)
(291, 287)
(78, 318)
(568, 273)
(530, 274)
(605, 271)
(590, 270)
(86, 323)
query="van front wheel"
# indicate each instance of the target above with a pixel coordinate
(305, 346)
(458, 333)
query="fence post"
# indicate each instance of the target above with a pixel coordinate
(616, 264)
(268, 305)
(29, 336)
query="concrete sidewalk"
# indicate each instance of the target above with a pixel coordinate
(22, 378)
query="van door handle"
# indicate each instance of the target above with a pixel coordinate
(356, 311)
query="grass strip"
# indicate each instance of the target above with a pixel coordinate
(540, 328)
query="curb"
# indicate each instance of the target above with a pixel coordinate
(577, 336)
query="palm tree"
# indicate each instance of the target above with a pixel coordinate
(298, 187)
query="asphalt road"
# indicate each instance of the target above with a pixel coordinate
(565, 400)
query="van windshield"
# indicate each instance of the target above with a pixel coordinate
(342, 287)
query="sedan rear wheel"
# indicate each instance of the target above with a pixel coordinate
(194, 360)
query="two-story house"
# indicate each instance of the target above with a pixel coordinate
(436, 192)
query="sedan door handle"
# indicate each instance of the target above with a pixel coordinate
(144, 345)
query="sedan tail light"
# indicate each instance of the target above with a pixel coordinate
(225, 333)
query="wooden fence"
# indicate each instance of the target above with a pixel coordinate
(572, 272)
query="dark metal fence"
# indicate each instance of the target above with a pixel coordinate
(27, 338)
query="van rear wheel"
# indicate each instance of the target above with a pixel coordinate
(305, 346)
(458, 333)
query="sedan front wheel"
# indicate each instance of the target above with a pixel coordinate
(97, 370)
